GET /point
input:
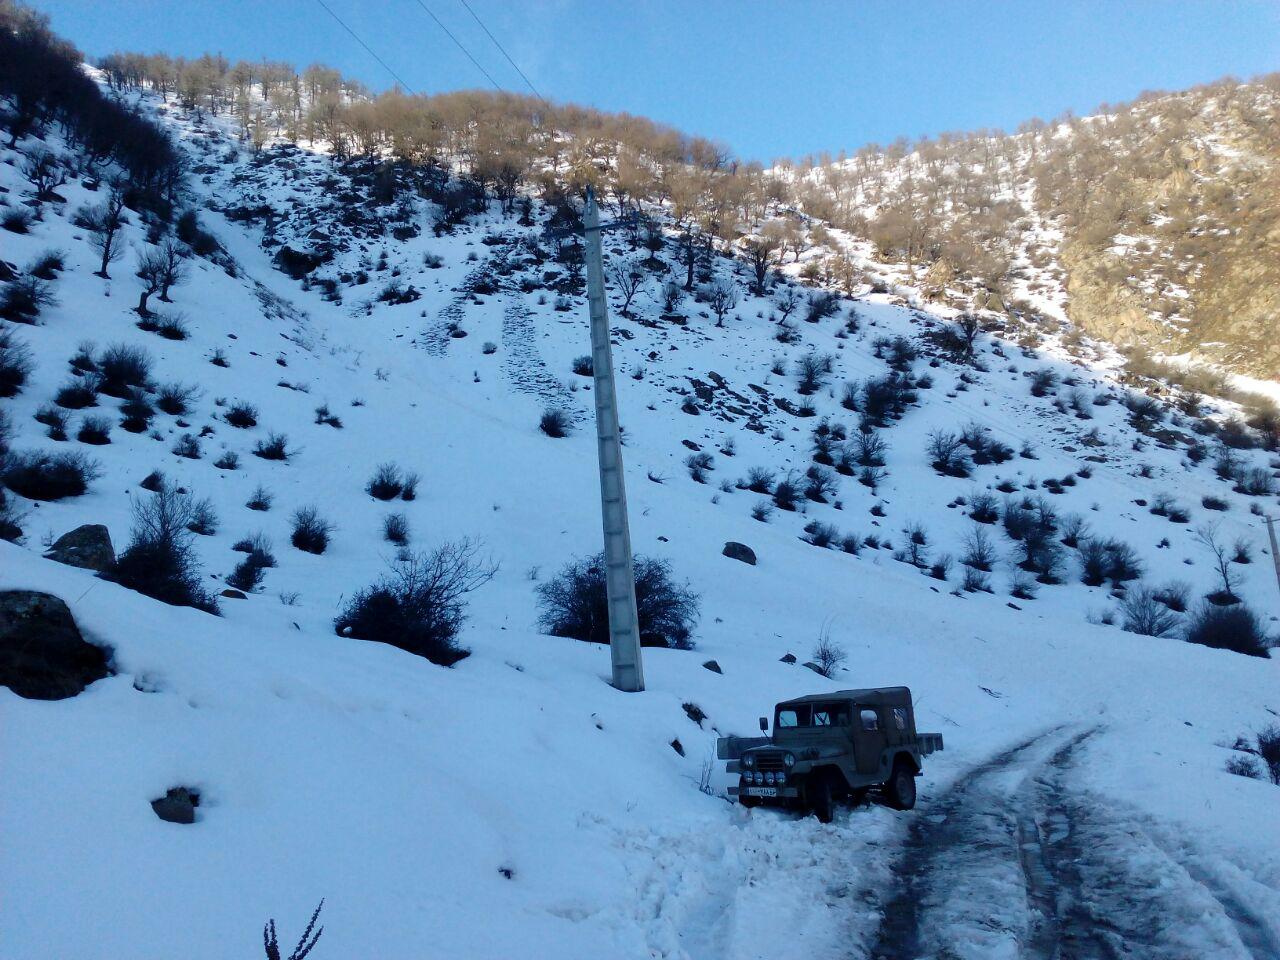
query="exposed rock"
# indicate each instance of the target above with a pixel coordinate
(88, 546)
(42, 655)
(713, 666)
(178, 805)
(788, 658)
(739, 551)
(815, 668)
(10, 531)
(677, 746)
(232, 594)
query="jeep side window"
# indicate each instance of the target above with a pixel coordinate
(793, 717)
(900, 718)
(821, 717)
(870, 721)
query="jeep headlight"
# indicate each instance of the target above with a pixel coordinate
(789, 760)
(748, 761)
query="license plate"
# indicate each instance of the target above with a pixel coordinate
(762, 791)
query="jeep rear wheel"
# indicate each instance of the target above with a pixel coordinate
(900, 791)
(818, 793)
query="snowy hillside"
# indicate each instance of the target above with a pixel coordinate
(515, 804)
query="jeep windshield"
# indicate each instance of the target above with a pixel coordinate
(794, 716)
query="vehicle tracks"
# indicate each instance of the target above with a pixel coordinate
(1015, 860)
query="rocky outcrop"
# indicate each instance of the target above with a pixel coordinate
(739, 551)
(88, 547)
(42, 654)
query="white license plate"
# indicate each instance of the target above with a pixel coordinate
(762, 791)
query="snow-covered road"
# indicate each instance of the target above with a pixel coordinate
(1016, 860)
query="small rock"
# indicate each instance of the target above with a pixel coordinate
(713, 666)
(739, 551)
(677, 746)
(788, 658)
(232, 594)
(178, 805)
(42, 654)
(814, 667)
(88, 547)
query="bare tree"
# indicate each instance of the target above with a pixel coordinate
(151, 271)
(722, 296)
(787, 301)
(1207, 535)
(628, 280)
(174, 254)
(761, 253)
(672, 294)
(44, 171)
(103, 224)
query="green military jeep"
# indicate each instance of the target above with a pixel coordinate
(829, 747)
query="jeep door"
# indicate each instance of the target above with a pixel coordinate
(868, 737)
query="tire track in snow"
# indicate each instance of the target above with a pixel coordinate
(1012, 862)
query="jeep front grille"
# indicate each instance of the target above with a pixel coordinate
(769, 761)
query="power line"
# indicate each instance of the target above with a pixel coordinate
(449, 32)
(503, 51)
(368, 49)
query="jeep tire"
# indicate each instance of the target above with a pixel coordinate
(900, 791)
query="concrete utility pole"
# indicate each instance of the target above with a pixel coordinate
(1275, 554)
(620, 585)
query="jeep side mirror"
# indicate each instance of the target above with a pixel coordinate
(764, 724)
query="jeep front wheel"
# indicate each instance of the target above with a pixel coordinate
(819, 796)
(900, 791)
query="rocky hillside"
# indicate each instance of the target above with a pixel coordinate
(1152, 224)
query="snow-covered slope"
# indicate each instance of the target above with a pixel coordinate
(405, 793)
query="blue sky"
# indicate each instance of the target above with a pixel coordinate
(768, 78)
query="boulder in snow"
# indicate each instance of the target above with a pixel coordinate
(42, 655)
(713, 666)
(739, 551)
(178, 805)
(88, 546)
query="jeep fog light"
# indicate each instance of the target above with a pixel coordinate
(759, 777)
(749, 761)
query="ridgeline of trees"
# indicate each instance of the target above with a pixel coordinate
(42, 82)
